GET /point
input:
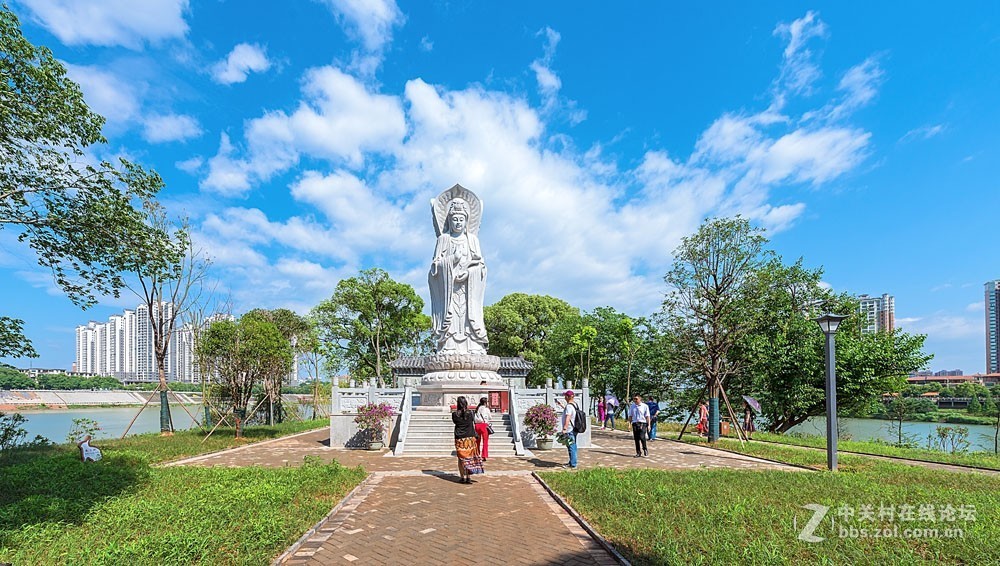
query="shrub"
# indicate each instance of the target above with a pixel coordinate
(82, 428)
(541, 420)
(373, 417)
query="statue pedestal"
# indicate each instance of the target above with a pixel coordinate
(453, 374)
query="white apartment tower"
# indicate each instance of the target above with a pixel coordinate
(992, 303)
(878, 314)
(123, 348)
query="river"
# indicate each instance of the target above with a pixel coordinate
(55, 424)
(980, 436)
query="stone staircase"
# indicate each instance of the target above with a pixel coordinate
(431, 433)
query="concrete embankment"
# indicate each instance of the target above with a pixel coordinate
(59, 399)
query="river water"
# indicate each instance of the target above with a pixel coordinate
(55, 424)
(980, 436)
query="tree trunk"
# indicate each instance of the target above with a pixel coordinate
(166, 423)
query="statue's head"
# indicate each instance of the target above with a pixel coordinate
(458, 215)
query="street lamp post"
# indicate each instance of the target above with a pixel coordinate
(828, 323)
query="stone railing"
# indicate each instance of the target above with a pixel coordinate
(404, 421)
(523, 399)
(515, 422)
(344, 405)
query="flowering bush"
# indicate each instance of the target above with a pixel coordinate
(541, 420)
(373, 417)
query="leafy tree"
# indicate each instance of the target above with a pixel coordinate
(292, 328)
(709, 304)
(244, 353)
(78, 216)
(369, 321)
(10, 378)
(519, 325)
(783, 350)
(168, 280)
(975, 407)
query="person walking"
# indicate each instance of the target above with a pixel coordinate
(609, 412)
(601, 412)
(466, 447)
(638, 415)
(703, 419)
(483, 421)
(654, 408)
(748, 426)
(567, 428)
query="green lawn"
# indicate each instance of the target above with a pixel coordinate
(978, 459)
(55, 509)
(755, 517)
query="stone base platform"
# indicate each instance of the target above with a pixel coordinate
(445, 394)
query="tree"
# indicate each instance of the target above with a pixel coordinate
(79, 217)
(706, 308)
(782, 353)
(293, 328)
(519, 325)
(168, 280)
(369, 321)
(244, 353)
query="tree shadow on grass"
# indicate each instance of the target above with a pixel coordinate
(53, 485)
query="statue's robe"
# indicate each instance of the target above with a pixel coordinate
(451, 330)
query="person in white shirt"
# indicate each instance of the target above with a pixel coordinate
(568, 418)
(482, 423)
(638, 415)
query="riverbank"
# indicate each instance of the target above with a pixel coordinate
(18, 400)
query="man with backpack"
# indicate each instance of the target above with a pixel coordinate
(574, 421)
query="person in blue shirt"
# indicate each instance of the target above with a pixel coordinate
(654, 408)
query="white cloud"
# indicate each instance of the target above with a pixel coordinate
(372, 23)
(226, 176)
(191, 165)
(799, 70)
(338, 119)
(170, 127)
(110, 22)
(560, 221)
(426, 44)
(106, 93)
(943, 326)
(244, 59)
(925, 133)
(976, 307)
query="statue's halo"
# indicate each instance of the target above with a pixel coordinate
(439, 209)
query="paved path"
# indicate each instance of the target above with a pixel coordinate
(414, 518)
(413, 511)
(612, 450)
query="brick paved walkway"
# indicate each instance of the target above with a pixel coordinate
(407, 511)
(612, 450)
(415, 519)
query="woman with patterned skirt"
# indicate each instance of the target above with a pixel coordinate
(466, 446)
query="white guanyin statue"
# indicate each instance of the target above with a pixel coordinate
(457, 275)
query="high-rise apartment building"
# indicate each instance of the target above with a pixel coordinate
(878, 314)
(992, 303)
(123, 347)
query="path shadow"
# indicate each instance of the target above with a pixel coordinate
(544, 463)
(53, 485)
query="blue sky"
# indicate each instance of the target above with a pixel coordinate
(304, 139)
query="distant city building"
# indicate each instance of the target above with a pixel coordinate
(992, 303)
(123, 348)
(948, 372)
(878, 314)
(950, 378)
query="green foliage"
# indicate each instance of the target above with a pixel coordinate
(12, 434)
(520, 325)
(13, 343)
(755, 517)
(79, 218)
(244, 354)
(975, 407)
(369, 321)
(81, 428)
(10, 378)
(373, 417)
(952, 439)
